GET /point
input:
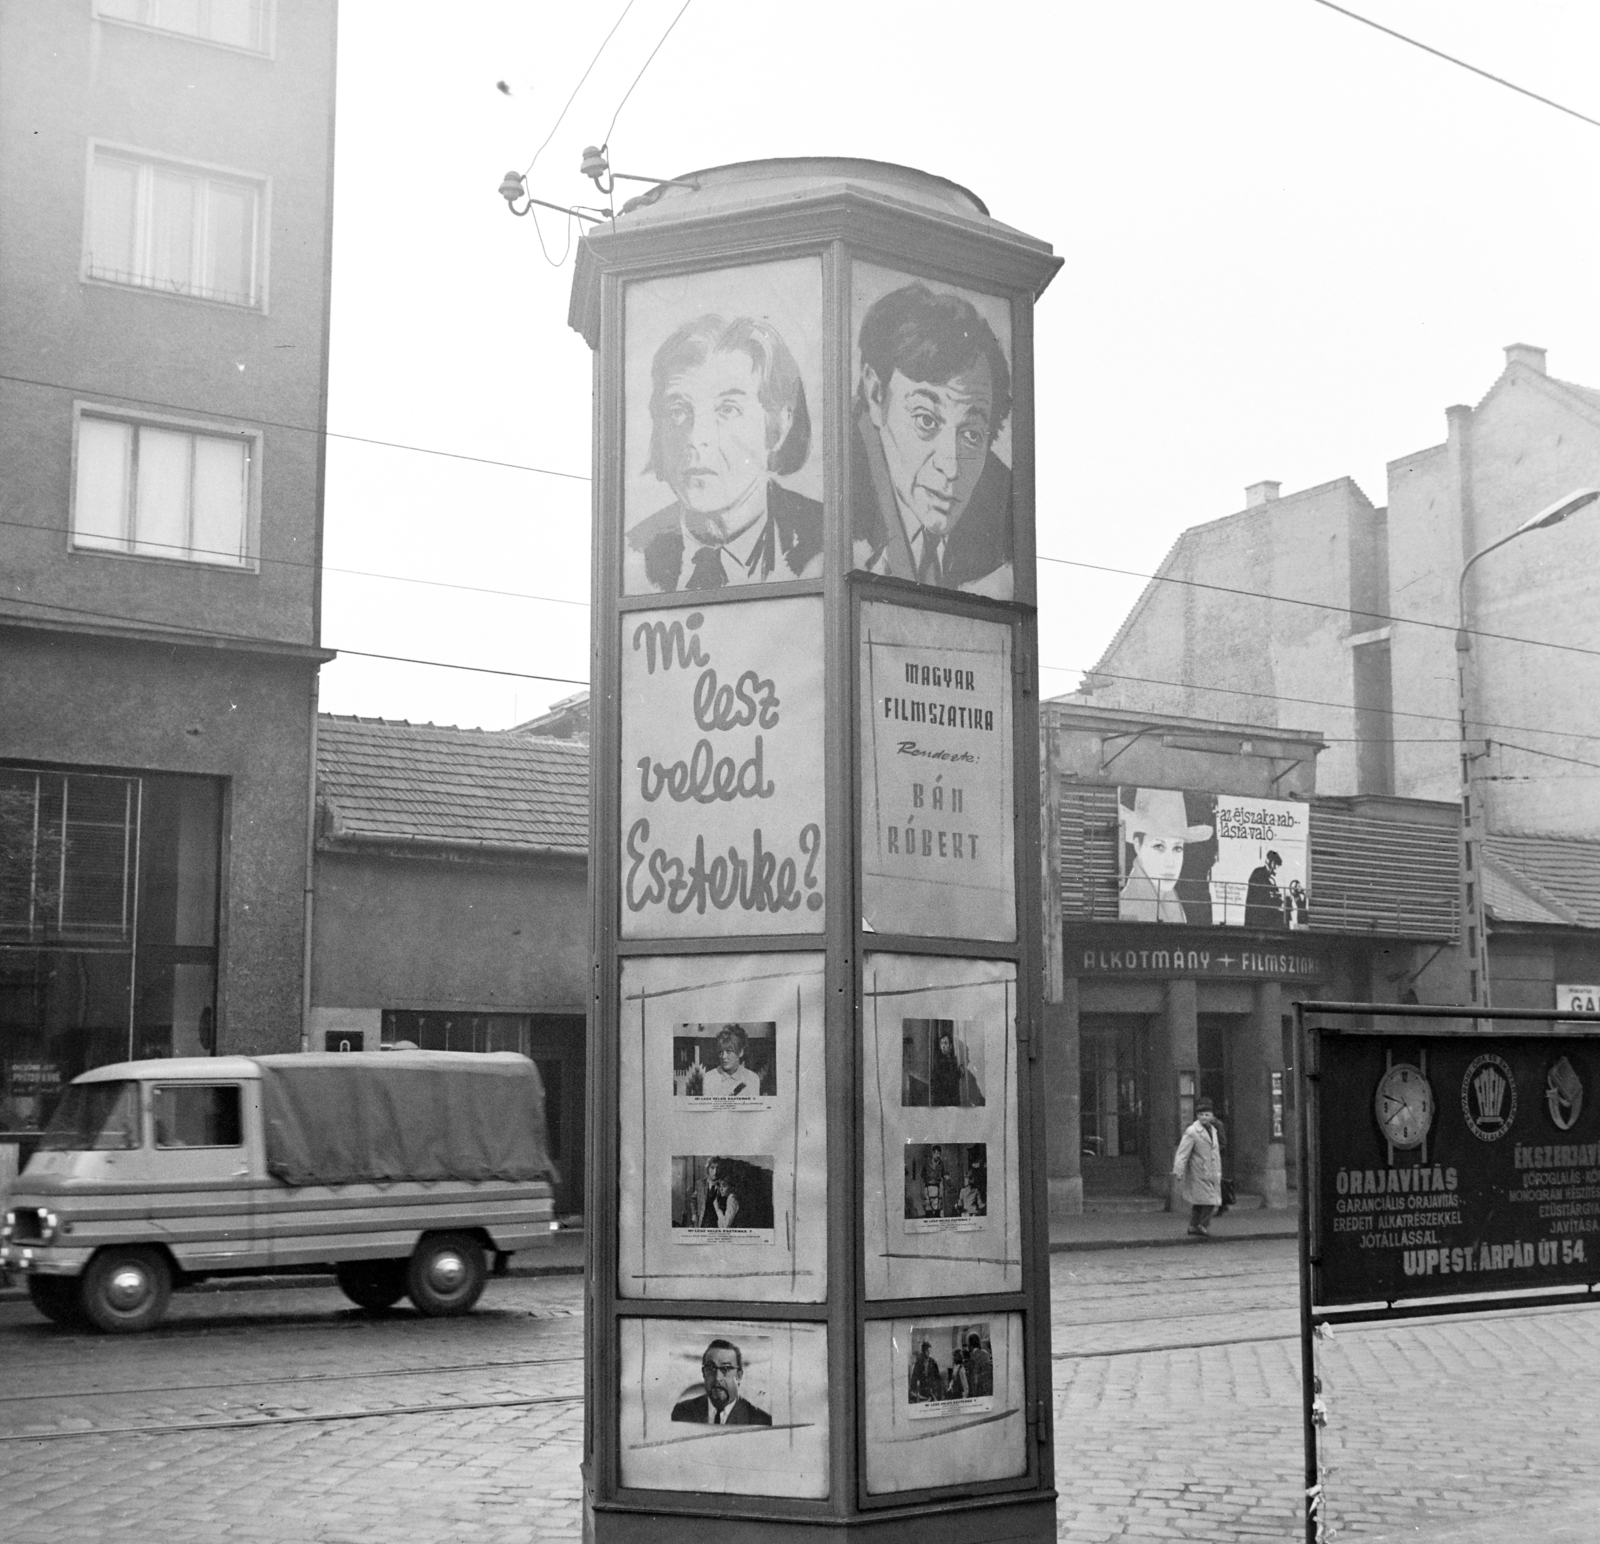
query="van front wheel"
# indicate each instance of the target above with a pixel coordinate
(373, 1284)
(56, 1297)
(125, 1290)
(446, 1274)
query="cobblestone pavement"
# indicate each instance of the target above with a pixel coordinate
(287, 1416)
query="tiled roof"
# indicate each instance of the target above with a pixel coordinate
(1553, 880)
(401, 782)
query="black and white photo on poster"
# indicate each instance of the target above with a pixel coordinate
(731, 1388)
(742, 1178)
(725, 1406)
(952, 1370)
(724, 471)
(938, 840)
(1213, 860)
(931, 440)
(943, 1064)
(725, 1066)
(721, 788)
(927, 1425)
(946, 1186)
(940, 1200)
(722, 1198)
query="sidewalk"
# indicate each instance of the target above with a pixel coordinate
(1141, 1228)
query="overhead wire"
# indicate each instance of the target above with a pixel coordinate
(642, 68)
(1316, 702)
(179, 630)
(1377, 617)
(1439, 53)
(273, 423)
(528, 169)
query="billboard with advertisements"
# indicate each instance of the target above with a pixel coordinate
(1213, 860)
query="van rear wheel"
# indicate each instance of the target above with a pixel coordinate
(126, 1290)
(372, 1284)
(56, 1297)
(446, 1274)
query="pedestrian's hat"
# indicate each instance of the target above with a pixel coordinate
(1203, 1107)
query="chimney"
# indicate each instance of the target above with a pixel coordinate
(1260, 493)
(1529, 354)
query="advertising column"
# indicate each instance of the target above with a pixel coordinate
(818, 1296)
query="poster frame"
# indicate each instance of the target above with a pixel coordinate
(1368, 1020)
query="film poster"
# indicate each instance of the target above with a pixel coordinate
(723, 485)
(1456, 1164)
(1213, 860)
(946, 1401)
(930, 443)
(722, 775)
(941, 1214)
(938, 837)
(726, 1406)
(723, 1176)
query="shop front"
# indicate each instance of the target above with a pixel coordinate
(108, 928)
(1166, 1017)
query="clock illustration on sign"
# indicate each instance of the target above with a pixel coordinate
(1404, 1105)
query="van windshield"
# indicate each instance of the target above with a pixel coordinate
(95, 1117)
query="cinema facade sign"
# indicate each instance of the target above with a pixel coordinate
(1111, 953)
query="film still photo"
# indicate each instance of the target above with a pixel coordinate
(952, 1367)
(719, 1064)
(941, 1064)
(730, 1387)
(947, 1185)
(722, 1196)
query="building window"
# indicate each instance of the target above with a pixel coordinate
(158, 490)
(243, 24)
(180, 229)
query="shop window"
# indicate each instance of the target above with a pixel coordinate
(66, 847)
(197, 1115)
(160, 490)
(108, 929)
(245, 24)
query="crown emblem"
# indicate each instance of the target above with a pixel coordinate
(1489, 1097)
(1490, 1088)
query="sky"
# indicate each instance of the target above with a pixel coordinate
(1289, 243)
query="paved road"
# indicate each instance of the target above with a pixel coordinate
(287, 1416)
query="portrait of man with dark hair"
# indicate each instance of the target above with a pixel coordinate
(721, 1371)
(931, 499)
(728, 417)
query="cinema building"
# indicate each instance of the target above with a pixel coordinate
(1203, 888)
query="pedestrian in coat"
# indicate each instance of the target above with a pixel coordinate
(1197, 1166)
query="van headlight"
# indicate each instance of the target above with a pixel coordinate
(48, 1223)
(8, 1226)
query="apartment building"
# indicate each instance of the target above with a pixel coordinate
(165, 236)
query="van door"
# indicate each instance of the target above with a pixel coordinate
(202, 1184)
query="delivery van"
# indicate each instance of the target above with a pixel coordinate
(406, 1173)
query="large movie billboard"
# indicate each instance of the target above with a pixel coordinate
(1213, 860)
(1455, 1163)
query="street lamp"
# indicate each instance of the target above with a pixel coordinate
(1472, 903)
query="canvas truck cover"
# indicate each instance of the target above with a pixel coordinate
(339, 1119)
